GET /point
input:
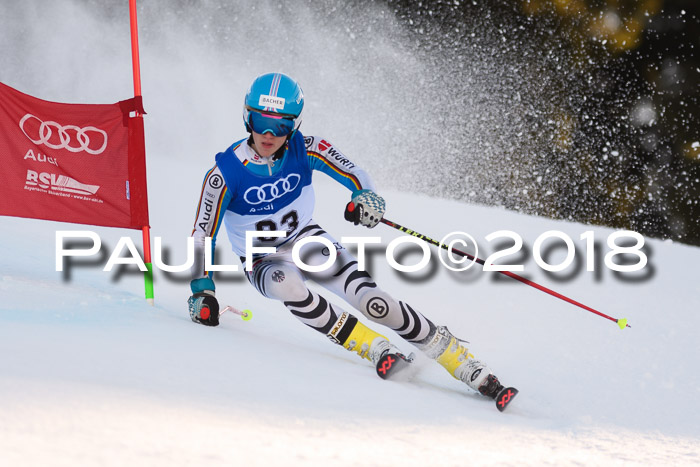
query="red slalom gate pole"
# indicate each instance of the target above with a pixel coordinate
(622, 323)
(135, 62)
(136, 66)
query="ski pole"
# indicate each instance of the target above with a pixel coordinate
(622, 323)
(246, 315)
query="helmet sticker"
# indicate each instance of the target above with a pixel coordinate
(271, 101)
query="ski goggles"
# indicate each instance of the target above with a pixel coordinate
(266, 122)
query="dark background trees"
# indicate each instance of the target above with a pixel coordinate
(598, 106)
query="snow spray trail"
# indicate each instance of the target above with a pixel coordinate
(462, 115)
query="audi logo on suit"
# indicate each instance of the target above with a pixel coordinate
(269, 192)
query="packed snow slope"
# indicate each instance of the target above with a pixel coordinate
(91, 375)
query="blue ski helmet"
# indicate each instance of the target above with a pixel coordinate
(273, 104)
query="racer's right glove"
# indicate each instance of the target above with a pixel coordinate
(204, 308)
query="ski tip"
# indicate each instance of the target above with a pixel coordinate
(504, 398)
(623, 323)
(247, 315)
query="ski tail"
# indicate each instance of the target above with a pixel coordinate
(390, 365)
(504, 397)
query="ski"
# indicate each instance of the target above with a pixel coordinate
(392, 364)
(505, 397)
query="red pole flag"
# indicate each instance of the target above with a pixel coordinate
(78, 163)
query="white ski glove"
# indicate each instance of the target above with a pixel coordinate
(366, 208)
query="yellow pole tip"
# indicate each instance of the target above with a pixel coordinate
(622, 323)
(248, 315)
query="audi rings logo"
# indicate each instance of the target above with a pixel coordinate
(70, 137)
(269, 192)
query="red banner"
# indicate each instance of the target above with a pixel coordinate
(78, 163)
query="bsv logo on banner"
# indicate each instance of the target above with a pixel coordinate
(269, 192)
(80, 142)
(56, 182)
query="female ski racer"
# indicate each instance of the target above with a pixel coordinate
(263, 183)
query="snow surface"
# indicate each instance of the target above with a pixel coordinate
(91, 375)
